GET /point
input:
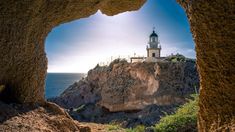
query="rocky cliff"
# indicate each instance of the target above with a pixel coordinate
(123, 86)
(126, 90)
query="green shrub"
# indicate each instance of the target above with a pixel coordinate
(139, 128)
(185, 118)
(119, 60)
(113, 127)
(176, 58)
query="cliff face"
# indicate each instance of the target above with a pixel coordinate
(123, 86)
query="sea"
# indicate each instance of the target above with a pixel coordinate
(56, 83)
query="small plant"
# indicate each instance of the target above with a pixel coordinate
(176, 58)
(185, 118)
(97, 66)
(139, 128)
(119, 60)
(113, 127)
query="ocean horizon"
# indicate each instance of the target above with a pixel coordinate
(56, 83)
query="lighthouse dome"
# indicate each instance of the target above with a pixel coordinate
(153, 34)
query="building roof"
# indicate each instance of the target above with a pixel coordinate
(153, 34)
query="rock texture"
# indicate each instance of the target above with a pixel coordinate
(47, 118)
(148, 116)
(25, 25)
(130, 93)
(213, 27)
(123, 86)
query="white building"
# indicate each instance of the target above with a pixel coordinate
(153, 50)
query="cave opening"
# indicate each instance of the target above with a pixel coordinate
(23, 65)
(76, 47)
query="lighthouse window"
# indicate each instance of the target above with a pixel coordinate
(153, 54)
(153, 39)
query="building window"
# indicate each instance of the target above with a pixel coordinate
(153, 54)
(153, 39)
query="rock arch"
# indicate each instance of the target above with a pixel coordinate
(25, 25)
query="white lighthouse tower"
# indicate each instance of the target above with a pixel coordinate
(153, 48)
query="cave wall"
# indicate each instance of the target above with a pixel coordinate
(26, 23)
(24, 27)
(213, 27)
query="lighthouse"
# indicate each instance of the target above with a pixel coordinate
(153, 48)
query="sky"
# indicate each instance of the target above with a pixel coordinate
(78, 46)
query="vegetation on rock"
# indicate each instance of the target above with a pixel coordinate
(139, 128)
(184, 119)
(178, 58)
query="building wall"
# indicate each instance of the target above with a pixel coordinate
(133, 60)
(151, 59)
(151, 51)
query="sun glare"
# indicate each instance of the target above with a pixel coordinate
(80, 45)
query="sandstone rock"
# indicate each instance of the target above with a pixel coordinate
(25, 118)
(123, 92)
(126, 86)
(24, 27)
(212, 26)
